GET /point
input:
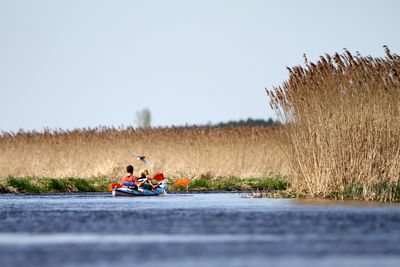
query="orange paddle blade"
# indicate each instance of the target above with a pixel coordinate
(184, 181)
(112, 186)
(159, 177)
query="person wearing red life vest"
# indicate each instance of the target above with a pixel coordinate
(130, 177)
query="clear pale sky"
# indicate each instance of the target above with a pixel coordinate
(79, 63)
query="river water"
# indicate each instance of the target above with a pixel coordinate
(205, 229)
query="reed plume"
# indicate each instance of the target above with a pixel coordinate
(342, 124)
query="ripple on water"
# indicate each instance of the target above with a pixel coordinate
(195, 230)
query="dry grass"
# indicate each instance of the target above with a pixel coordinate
(342, 124)
(105, 152)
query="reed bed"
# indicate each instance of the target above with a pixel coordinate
(342, 126)
(104, 152)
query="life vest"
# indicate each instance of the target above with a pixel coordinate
(129, 179)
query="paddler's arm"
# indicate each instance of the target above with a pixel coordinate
(122, 181)
(136, 181)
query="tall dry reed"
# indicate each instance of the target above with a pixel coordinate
(105, 152)
(342, 123)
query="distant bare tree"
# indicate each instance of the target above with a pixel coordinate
(143, 118)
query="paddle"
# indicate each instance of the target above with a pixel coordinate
(112, 186)
(183, 182)
(159, 177)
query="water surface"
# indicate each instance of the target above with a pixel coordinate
(218, 229)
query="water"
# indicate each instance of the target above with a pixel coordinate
(222, 229)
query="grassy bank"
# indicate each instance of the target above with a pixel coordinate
(234, 184)
(271, 187)
(70, 185)
(52, 185)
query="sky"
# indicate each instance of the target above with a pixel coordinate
(84, 63)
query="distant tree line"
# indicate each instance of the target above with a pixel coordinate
(248, 122)
(143, 120)
(231, 123)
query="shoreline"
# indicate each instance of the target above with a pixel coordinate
(273, 186)
(37, 185)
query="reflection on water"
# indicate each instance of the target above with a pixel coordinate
(96, 229)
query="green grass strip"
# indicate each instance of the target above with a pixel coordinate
(33, 185)
(68, 185)
(234, 184)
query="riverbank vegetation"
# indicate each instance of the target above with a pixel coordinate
(235, 184)
(74, 185)
(52, 185)
(104, 152)
(341, 119)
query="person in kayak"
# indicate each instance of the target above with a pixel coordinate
(130, 178)
(147, 183)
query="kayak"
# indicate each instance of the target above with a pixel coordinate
(128, 192)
